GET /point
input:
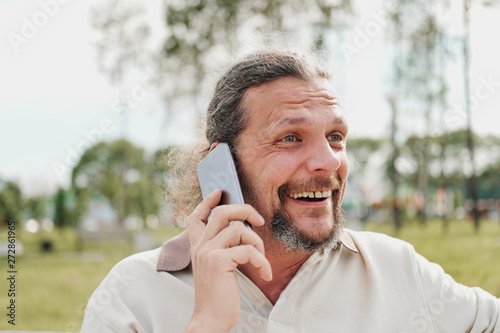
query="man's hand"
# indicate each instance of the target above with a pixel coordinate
(217, 248)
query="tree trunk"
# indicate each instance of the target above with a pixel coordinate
(471, 181)
(393, 170)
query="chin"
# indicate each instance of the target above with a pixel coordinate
(309, 238)
(316, 230)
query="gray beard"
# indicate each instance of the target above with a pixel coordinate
(281, 223)
(296, 241)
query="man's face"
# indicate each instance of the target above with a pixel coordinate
(294, 148)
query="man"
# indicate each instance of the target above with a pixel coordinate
(298, 270)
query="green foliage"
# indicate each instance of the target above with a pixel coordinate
(361, 149)
(198, 30)
(212, 23)
(61, 212)
(111, 170)
(81, 204)
(489, 182)
(11, 203)
(119, 172)
(122, 34)
(365, 145)
(37, 207)
(411, 160)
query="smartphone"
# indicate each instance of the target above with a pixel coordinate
(218, 171)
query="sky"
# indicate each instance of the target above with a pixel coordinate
(54, 101)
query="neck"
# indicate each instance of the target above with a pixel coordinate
(285, 264)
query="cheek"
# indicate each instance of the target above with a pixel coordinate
(343, 173)
(344, 167)
(272, 174)
(280, 169)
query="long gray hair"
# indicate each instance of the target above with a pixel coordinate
(228, 114)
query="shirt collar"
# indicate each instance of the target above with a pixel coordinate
(175, 255)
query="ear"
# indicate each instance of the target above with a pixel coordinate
(213, 145)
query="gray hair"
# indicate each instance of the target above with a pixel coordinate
(227, 117)
(227, 113)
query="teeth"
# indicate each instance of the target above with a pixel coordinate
(311, 194)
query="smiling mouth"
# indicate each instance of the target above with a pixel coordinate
(311, 196)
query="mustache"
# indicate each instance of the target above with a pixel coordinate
(333, 183)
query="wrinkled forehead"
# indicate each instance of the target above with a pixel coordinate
(272, 100)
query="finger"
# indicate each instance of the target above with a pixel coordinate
(222, 215)
(197, 220)
(202, 211)
(237, 234)
(244, 254)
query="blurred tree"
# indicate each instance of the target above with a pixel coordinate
(62, 216)
(426, 86)
(159, 167)
(118, 172)
(442, 97)
(200, 35)
(360, 151)
(489, 182)
(489, 177)
(123, 36)
(472, 184)
(37, 207)
(363, 148)
(11, 203)
(392, 170)
(452, 167)
(393, 99)
(363, 155)
(420, 75)
(81, 204)
(472, 179)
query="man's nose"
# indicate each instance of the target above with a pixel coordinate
(322, 157)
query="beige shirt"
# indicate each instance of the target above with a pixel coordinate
(372, 283)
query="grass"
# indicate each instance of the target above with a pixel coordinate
(53, 288)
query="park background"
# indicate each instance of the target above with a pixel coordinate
(94, 94)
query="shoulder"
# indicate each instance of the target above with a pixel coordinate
(115, 304)
(146, 259)
(371, 239)
(382, 248)
(130, 273)
(130, 276)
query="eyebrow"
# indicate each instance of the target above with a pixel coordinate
(294, 121)
(291, 121)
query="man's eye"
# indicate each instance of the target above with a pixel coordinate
(289, 138)
(335, 137)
